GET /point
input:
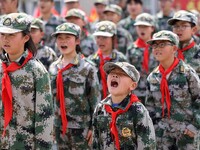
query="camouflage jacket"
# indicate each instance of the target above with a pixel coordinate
(31, 126)
(192, 57)
(124, 39)
(81, 91)
(87, 44)
(135, 127)
(50, 27)
(115, 56)
(128, 24)
(46, 55)
(184, 87)
(135, 57)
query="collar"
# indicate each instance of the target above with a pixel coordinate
(75, 61)
(182, 45)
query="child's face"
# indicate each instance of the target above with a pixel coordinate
(111, 16)
(119, 83)
(36, 35)
(163, 50)
(45, 6)
(13, 43)
(66, 43)
(134, 8)
(144, 32)
(104, 43)
(184, 30)
(76, 20)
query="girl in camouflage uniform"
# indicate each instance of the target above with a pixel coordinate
(26, 120)
(173, 97)
(75, 90)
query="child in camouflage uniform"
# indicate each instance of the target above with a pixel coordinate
(121, 121)
(184, 24)
(105, 34)
(75, 89)
(173, 98)
(140, 53)
(44, 53)
(26, 109)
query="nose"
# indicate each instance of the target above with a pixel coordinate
(114, 76)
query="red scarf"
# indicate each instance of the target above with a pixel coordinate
(141, 44)
(164, 86)
(7, 89)
(114, 114)
(60, 97)
(180, 51)
(102, 72)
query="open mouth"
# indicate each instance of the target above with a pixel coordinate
(114, 84)
(142, 33)
(64, 47)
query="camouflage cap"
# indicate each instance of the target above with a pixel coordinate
(165, 35)
(104, 2)
(105, 28)
(129, 69)
(113, 8)
(68, 1)
(144, 19)
(76, 13)
(68, 28)
(183, 15)
(15, 22)
(37, 24)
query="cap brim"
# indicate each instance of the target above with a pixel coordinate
(67, 1)
(142, 23)
(8, 30)
(35, 27)
(106, 34)
(158, 39)
(173, 21)
(65, 32)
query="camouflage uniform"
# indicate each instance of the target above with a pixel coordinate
(81, 93)
(184, 87)
(135, 128)
(31, 124)
(192, 55)
(124, 38)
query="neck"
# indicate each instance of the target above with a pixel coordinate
(166, 64)
(146, 39)
(15, 56)
(167, 12)
(46, 16)
(118, 99)
(133, 16)
(68, 58)
(106, 52)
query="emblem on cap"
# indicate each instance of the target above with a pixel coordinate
(126, 132)
(102, 28)
(7, 22)
(63, 27)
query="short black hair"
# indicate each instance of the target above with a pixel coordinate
(136, 1)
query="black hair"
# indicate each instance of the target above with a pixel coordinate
(114, 42)
(136, 1)
(78, 49)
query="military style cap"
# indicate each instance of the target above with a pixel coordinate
(37, 24)
(183, 15)
(104, 2)
(76, 13)
(165, 35)
(105, 28)
(144, 19)
(113, 8)
(68, 28)
(67, 1)
(15, 22)
(129, 69)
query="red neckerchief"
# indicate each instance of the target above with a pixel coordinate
(114, 114)
(7, 89)
(141, 44)
(164, 86)
(60, 97)
(102, 72)
(180, 51)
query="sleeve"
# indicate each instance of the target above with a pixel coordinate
(43, 111)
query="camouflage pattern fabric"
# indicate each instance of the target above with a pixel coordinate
(135, 57)
(128, 24)
(46, 55)
(184, 87)
(135, 127)
(81, 90)
(115, 56)
(31, 126)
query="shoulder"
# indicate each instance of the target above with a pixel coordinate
(36, 67)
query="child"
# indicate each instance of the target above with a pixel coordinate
(120, 121)
(173, 96)
(44, 53)
(105, 34)
(140, 53)
(25, 93)
(76, 90)
(184, 24)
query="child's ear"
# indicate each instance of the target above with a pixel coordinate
(194, 30)
(133, 86)
(78, 41)
(174, 48)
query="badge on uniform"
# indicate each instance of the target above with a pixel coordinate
(126, 132)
